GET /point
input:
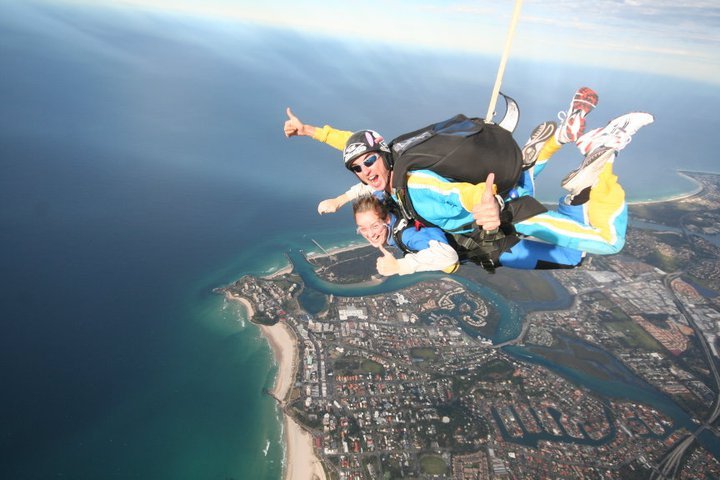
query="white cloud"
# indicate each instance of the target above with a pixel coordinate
(662, 36)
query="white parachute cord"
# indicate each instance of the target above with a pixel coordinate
(503, 62)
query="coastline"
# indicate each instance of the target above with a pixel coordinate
(336, 250)
(331, 251)
(301, 463)
(680, 196)
(245, 302)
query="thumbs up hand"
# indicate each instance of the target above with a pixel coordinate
(487, 212)
(293, 126)
(387, 264)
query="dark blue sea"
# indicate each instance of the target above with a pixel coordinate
(142, 164)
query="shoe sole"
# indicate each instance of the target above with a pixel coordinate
(538, 137)
(584, 101)
(578, 180)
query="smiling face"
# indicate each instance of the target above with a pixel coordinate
(372, 227)
(376, 175)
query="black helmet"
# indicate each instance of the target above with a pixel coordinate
(362, 142)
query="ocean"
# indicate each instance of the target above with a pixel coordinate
(143, 164)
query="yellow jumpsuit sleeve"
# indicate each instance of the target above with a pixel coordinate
(471, 194)
(333, 137)
(468, 194)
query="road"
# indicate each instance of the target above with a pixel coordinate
(668, 466)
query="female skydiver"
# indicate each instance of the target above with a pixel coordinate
(426, 249)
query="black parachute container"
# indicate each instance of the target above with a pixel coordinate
(461, 149)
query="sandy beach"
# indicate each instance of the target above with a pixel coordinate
(673, 198)
(282, 271)
(246, 303)
(336, 250)
(331, 251)
(284, 347)
(300, 462)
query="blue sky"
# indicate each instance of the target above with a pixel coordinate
(653, 36)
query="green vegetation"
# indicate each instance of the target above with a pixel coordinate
(290, 305)
(497, 370)
(493, 371)
(703, 282)
(459, 434)
(353, 364)
(581, 356)
(672, 239)
(310, 420)
(531, 286)
(634, 335)
(423, 353)
(613, 314)
(371, 366)
(433, 465)
(349, 267)
(264, 319)
(663, 210)
(392, 469)
(663, 262)
(619, 315)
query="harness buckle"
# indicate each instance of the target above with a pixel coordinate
(488, 264)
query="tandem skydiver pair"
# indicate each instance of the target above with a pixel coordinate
(463, 191)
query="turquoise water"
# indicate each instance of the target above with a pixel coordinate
(143, 165)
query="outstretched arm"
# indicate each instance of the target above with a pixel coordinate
(332, 205)
(294, 127)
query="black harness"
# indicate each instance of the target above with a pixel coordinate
(477, 246)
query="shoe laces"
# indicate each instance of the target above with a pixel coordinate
(616, 140)
(621, 136)
(572, 123)
(570, 118)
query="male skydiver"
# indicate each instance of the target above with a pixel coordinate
(591, 218)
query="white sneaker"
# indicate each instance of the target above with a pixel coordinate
(586, 175)
(616, 134)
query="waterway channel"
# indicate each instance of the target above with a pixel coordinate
(619, 382)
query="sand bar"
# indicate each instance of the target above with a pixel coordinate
(337, 250)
